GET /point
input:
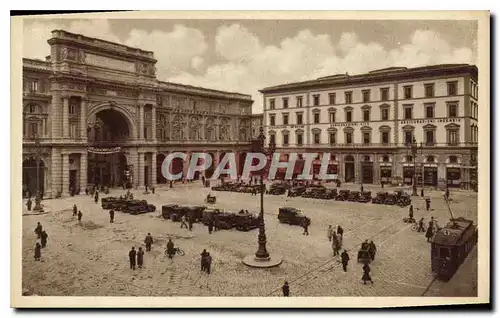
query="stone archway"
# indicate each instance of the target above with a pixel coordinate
(121, 112)
(349, 169)
(160, 179)
(30, 182)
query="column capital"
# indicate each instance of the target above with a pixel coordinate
(65, 95)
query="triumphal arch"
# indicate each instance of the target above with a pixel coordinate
(94, 112)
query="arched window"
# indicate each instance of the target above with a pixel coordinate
(385, 159)
(453, 159)
(430, 159)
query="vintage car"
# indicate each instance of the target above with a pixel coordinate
(297, 191)
(380, 198)
(110, 202)
(354, 196)
(391, 199)
(329, 194)
(343, 195)
(246, 222)
(314, 192)
(366, 196)
(291, 216)
(167, 209)
(209, 214)
(364, 256)
(139, 207)
(225, 221)
(403, 198)
(210, 199)
(277, 189)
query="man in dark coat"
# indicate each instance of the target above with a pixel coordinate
(427, 204)
(80, 214)
(96, 197)
(208, 264)
(410, 212)
(447, 193)
(28, 204)
(111, 216)
(87, 191)
(75, 210)
(430, 232)
(170, 249)
(422, 192)
(366, 274)
(365, 245)
(305, 225)
(340, 231)
(38, 251)
(361, 189)
(44, 237)
(131, 257)
(210, 226)
(140, 257)
(190, 222)
(38, 230)
(203, 260)
(372, 250)
(345, 260)
(153, 189)
(286, 289)
(148, 241)
(421, 225)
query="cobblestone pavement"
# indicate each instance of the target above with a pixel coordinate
(91, 259)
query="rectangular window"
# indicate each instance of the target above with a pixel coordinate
(316, 118)
(366, 115)
(316, 138)
(299, 118)
(145, 132)
(408, 112)
(408, 92)
(348, 97)
(384, 94)
(333, 138)
(332, 117)
(331, 98)
(299, 139)
(408, 137)
(385, 114)
(429, 90)
(299, 101)
(33, 130)
(429, 111)
(366, 96)
(285, 140)
(72, 131)
(272, 104)
(366, 138)
(272, 120)
(429, 137)
(34, 86)
(452, 88)
(348, 116)
(316, 100)
(272, 139)
(385, 137)
(452, 110)
(452, 137)
(285, 119)
(348, 138)
(285, 102)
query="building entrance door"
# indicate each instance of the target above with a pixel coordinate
(73, 180)
(349, 172)
(146, 176)
(367, 172)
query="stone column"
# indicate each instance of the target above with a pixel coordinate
(140, 169)
(132, 160)
(141, 122)
(357, 168)
(65, 114)
(83, 171)
(83, 119)
(376, 169)
(65, 174)
(44, 129)
(153, 125)
(153, 169)
(54, 120)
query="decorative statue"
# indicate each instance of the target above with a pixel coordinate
(64, 53)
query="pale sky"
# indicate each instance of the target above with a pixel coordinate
(247, 55)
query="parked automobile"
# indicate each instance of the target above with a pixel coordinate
(380, 198)
(365, 197)
(297, 191)
(246, 222)
(354, 196)
(291, 216)
(277, 189)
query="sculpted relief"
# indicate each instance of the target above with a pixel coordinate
(210, 130)
(224, 130)
(178, 126)
(244, 130)
(194, 128)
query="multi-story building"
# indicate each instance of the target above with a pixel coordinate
(368, 123)
(257, 123)
(96, 114)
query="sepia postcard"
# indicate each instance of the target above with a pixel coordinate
(250, 159)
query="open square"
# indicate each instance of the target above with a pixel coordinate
(92, 258)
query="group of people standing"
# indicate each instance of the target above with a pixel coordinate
(206, 261)
(42, 236)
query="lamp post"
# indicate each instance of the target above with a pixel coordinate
(262, 258)
(414, 148)
(38, 207)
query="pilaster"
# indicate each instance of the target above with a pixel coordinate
(140, 169)
(65, 174)
(141, 122)
(65, 115)
(83, 171)
(83, 120)
(153, 126)
(56, 173)
(153, 169)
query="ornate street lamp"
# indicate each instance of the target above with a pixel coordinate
(38, 207)
(262, 258)
(414, 148)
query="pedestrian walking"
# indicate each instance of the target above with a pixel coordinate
(286, 289)
(210, 226)
(209, 263)
(427, 203)
(148, 241)
(329, 232)
(305, 225)
(43, 239)
(28, 204)
(75, 210)
(421, 225)
(345, 260)
(410, 212)
(429, 234)
(447, 193)
(170, 249)
(38, 251)
(335, 244)
(203, 260)
(96, 197)
(372, 250)
(422, 192)
(190, 222)
(366, 274)
(340, 231)
(131, 257)
(140, 257)
(111, 216)
(153, 189)
(183, 222)
(80, 214)
(38, 230)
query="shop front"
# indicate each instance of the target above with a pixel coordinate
(453, 177)
(408, 175)
(366, 172)
(430, 175)
(385, 173)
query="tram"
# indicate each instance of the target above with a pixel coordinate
(451, 245)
